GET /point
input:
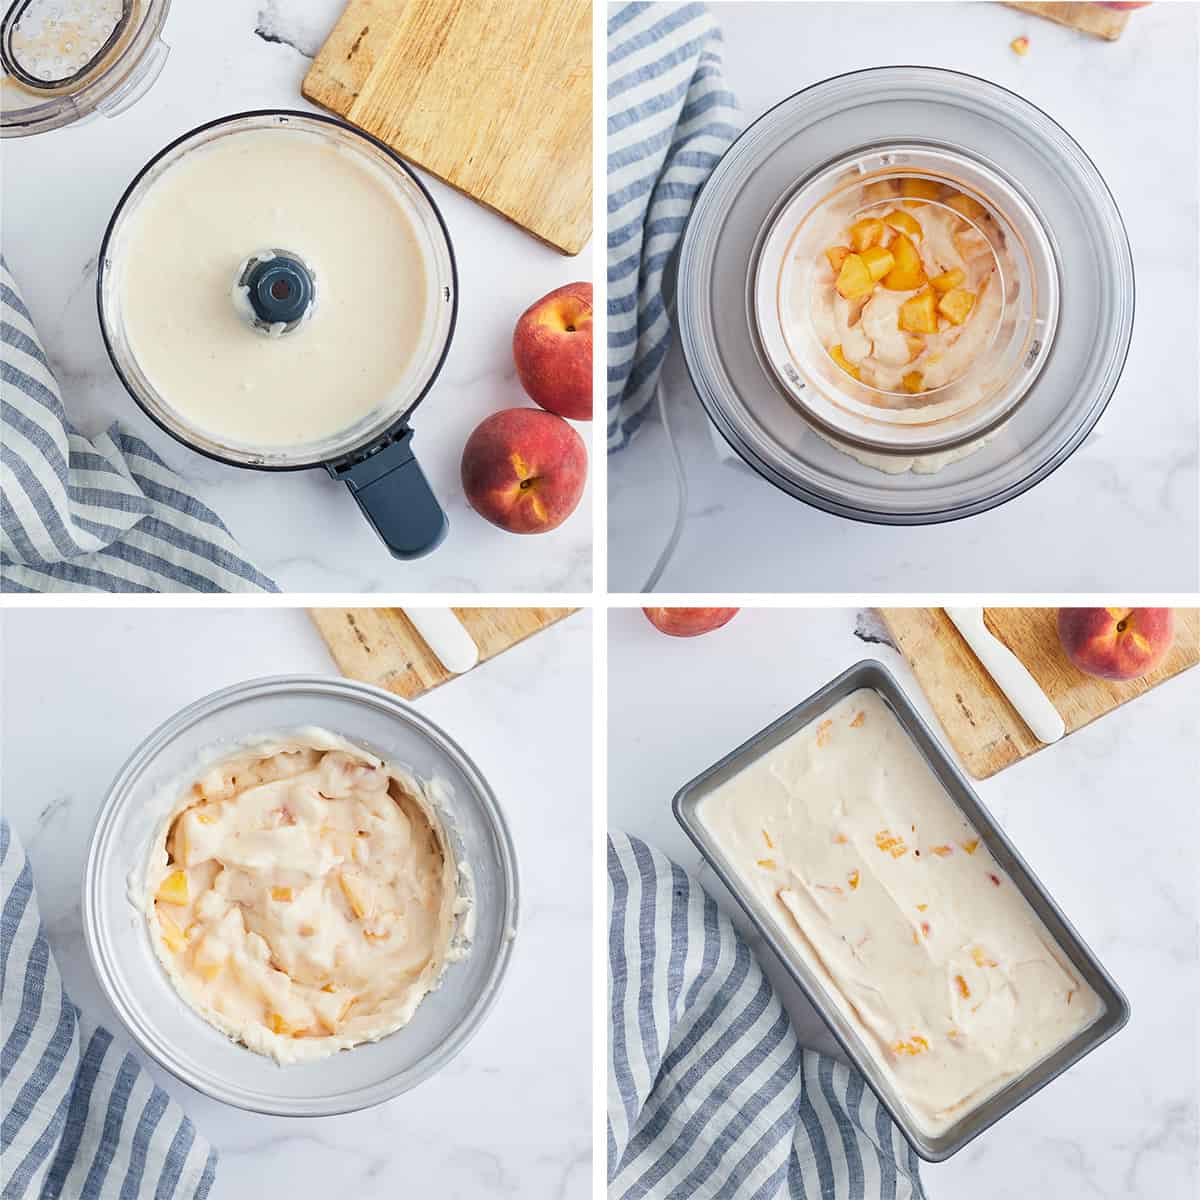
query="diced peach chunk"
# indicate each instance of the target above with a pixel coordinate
(1019, 46)
(916, 346)
(890, 843)
(767, 864)
(881, 189)
(906, 223)
(854, 279)
(963, 990)
(172, 934)
(859, 718)
(276, 1024)
(354, 895)
(174, 889)
(835, 352)
(967, 205)
(971, 846)
(947, 280)
(837, 256)
(970, 243)
(865, 233)
(908, 272)
(913, 382)
(918, 314)
(879, 261)
(767, 839)
(918, 191)
(210, 957)
(177, 847)
(282, 894)
(942, 851)
(956, 305)
(854, 880)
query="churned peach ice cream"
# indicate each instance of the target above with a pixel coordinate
(887, 893)
(303, 896)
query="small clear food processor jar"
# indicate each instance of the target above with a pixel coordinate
(946, 382)
(67, 60)
(287, 315)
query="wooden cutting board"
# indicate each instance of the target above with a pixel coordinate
(1096, 19)
(981, 725)
(381, 647)
(492, 96)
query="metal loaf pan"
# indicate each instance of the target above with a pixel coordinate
(875, 676)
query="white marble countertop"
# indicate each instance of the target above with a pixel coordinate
(302, 528)
(511, 1115)
(1107, 819)
(1124, 509)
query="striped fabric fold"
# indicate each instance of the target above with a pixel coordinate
(79, 1118)
(670, 118)
(709, 1091)
(99, 515)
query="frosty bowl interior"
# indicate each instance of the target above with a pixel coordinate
(432, 242)
(119, 941)
(961, 410)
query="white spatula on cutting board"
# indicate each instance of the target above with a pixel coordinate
(1009, 674)
(446, 636)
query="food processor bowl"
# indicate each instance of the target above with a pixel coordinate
(374, 456)
(165, 1026)
(1054, 358)
(64, 63)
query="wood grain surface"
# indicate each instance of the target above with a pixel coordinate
(1096, 19)
(494, 98)
(380, 645)
(979, 722)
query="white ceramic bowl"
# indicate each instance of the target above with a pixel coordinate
(119, 942)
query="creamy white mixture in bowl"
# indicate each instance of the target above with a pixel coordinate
(301, 896)
(176, 317)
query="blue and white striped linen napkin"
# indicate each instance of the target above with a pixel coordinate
(670, 118)
(105, 515)
(79, 1118)
(709, 1092)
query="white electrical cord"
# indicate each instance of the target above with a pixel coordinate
(681, 490)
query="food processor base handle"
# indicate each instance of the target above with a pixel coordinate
(394, 495)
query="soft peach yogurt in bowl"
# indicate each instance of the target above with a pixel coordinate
(303, 896)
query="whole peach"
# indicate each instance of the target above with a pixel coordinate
(1116, 643)
(552, 347)
(689, 622)
(524, 470)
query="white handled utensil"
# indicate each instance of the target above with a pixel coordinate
(446, 636)
(1009, 674)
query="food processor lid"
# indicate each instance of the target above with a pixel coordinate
(793, 142)
(62, 63)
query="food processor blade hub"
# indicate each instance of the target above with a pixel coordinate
(276, 291)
